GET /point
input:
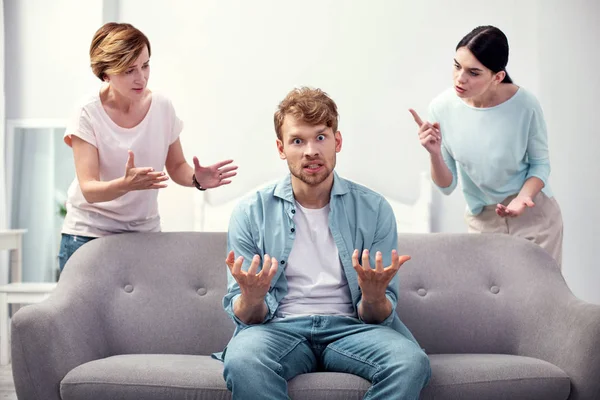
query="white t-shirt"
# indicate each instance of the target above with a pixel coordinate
(316, 281)
(149, 140)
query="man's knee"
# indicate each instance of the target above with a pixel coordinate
(419, 365)
(412, 365)
(242, 367)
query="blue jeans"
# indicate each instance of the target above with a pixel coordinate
(260, 359)
(68, 245)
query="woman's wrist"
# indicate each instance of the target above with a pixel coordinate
(119, 186)
(197, 184)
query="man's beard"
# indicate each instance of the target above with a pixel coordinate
(311, 179)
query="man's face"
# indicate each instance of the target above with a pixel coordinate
(309, 150)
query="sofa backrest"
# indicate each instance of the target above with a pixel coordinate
(162, 292)
(476, 293)
(156, 292)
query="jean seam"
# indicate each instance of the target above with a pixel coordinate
(292, 347)
(355, 357)
(278, 360)
(369, 391)
(365, 361)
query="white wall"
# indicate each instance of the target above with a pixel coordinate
(226, 65)
(3, 191)
(47, 61)
(569, 89)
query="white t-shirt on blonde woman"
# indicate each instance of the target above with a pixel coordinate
(150, 140)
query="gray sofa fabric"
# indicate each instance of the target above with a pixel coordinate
(136, 316)
(457, 376)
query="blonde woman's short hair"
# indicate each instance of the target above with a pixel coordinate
(115, 48)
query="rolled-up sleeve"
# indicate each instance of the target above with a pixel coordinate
(240, 240)
(448, 159)
(537, 147)
(386, 240)
(451, 164)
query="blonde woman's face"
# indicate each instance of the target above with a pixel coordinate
(132, 82)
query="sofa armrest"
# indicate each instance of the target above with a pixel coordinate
(51, 338)
(566, 333)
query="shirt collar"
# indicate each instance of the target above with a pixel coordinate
(283, 188)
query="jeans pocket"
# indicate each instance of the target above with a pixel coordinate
(62, 254)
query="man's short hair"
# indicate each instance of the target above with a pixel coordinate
(312, 106)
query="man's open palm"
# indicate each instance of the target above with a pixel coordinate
(254, 286)
(374, 281)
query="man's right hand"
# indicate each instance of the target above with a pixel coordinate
(430, 134)
(253, 286)
(142, 178)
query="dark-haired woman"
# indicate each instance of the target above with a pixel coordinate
(491, 133)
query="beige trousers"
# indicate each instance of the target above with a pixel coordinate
(541, 224)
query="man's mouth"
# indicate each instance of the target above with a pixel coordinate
(313, 167)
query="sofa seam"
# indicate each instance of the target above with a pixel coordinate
(139, 384)
(500, 380)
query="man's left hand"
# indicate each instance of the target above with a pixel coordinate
(374, 281)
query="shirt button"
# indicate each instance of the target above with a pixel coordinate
(293, 211)
(282, 262)
(293, 230)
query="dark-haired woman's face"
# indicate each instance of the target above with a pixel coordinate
(471, 78)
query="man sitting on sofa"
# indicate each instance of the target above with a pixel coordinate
(325, 296)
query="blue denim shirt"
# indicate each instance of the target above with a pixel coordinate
(263, 223)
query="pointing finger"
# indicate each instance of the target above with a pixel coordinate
(416, 117)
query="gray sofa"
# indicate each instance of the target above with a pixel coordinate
(136, 316)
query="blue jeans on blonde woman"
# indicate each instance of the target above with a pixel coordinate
(260, 359)
(68, 245)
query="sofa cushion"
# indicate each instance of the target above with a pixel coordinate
(148, 377)
(494, 376)
(455, 376)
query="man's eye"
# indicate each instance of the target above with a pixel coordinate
(321, 137)
(297, 141)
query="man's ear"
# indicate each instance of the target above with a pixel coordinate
(338, 141)
(279, 144)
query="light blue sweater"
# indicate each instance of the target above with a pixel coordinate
(494, 150)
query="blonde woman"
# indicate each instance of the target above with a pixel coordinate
(123, 138)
